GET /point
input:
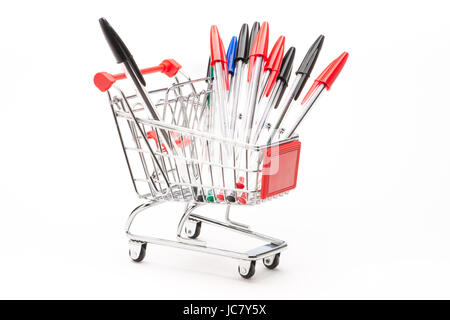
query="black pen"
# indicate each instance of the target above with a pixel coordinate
(324, 81)
(124, 57)
(255, 29)
(277, 92)
(284, 75)
(303, 73)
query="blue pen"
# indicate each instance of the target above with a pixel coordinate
(231, 55)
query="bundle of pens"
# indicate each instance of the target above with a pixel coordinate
(249, 100)
(229, 143)
(249, 84)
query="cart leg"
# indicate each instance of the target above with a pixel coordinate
(135, 212)
(231, 222)
(137, 249)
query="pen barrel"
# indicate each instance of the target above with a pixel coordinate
(268, 103)
(300, 85)
(279, 91)
(275, 94)
(222, 152)
(311, 101)
(237, 83)
(263, 84)
(285, 106)
(253, 92)
(220, 92)
(231, 89)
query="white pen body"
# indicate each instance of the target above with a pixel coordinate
(235, 95)
(266, 105)
(252, 97)
(220, 92)
(263, 83)
(307, 106)
(284, 106)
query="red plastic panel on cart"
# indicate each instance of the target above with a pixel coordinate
(280, 168)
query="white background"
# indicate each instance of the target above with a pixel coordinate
(370, 216)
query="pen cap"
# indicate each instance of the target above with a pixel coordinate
(243, 44)
(285, 72)
(311, 57)
(259, 48)
(218, 53)
(307, 64)
(261, 42)
(231, 54)
(119, 49)
(217, 48)
(253, 33)
(275, 57)
(273, 64)
(286, 65)
(329, 75)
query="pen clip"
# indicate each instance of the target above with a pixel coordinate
(328, 76)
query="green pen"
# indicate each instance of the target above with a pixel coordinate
(210, 197)
(209, 74)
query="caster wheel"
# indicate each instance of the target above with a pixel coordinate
(247, 270)
(193, 228)
(137, 251)
(272, 262)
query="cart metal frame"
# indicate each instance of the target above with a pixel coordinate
(185, 171)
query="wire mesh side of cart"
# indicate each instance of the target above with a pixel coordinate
(176, 159)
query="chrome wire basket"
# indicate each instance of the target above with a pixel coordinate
(179, 158)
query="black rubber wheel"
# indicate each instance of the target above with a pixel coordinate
(198, 229)
(250, 273)
(275, 262)
(141, 254)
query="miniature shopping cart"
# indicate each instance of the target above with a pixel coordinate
(179, 159)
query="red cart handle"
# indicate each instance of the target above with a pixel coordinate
(104, 80)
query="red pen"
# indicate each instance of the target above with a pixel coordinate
(324, 80)
(271, 68)
(258, 55)
(221, 85)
